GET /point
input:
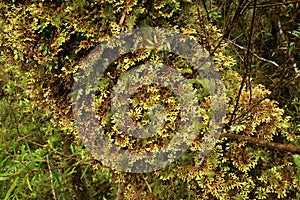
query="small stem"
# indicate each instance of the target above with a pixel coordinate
(254, 54)
(51, 178)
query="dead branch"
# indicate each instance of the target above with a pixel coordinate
(254, 54)
(273, 145)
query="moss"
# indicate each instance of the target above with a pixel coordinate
(45, 43)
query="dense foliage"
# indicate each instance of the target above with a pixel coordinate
(42, 44)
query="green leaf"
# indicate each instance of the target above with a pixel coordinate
(72, 149)
(55, 174)
(40, 26)
(296, 33)
(38, 160)
(61, 39)
(84, 171)
(41, 47)
(4, 178)
(16, 57)
(27, 146)
(12, 187)
(28, 183)
(297, 161)
(186, 71)
(50, 67)
(45, 51)
(291, 49)
(3, 161)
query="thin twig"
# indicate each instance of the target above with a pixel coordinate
(276, 4)
(206, 10)
(254, 54)
(287, 56)
(22, 138)
(51, 178)
(200, 25)
(246, 72)
(122, 19)
(240, 10)
(148, 186)
(291, 56)
(296, 68)
(281, 31)
(247, 63)
(291, 30)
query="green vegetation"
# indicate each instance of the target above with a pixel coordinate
(254, 46)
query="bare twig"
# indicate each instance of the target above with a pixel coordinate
(287, 56)
(247, 70)
(201, 26)
(148, 186)
(206, 10)
(291, 29)
(291, 56)
(296, 68)
(276, 4)
(254, 54)
(51, 178)
(124, 13)
(122, 19)
(247, 63)
(281, 31)
(240, 10)
(22, 138)
(273, 145)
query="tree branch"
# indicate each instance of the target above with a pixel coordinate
(273, 145)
